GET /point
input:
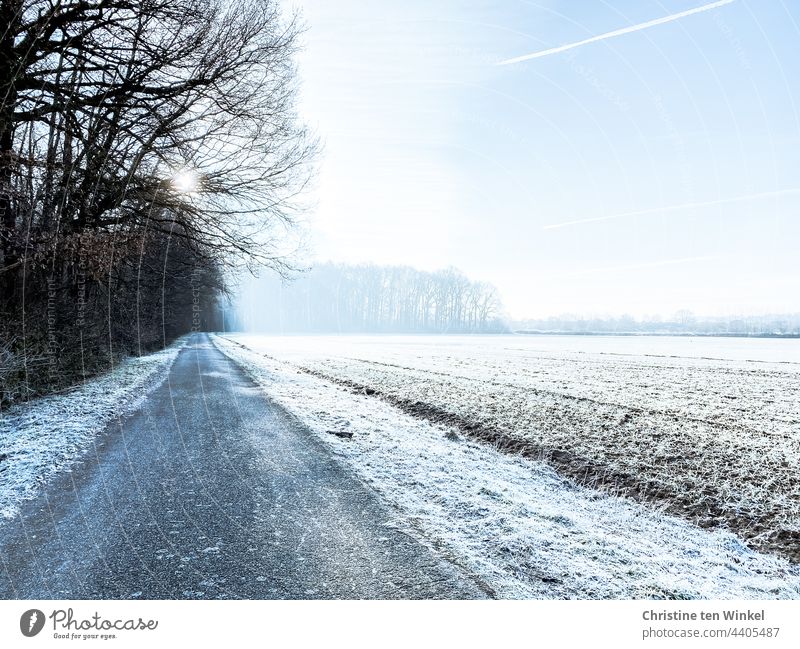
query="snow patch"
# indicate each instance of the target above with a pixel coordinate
(45, 436)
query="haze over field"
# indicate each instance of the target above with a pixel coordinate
(642, 173)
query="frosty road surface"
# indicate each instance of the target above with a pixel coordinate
(209, 490)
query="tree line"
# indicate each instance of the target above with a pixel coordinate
(145, 148)
(682, 322)
(369, 298)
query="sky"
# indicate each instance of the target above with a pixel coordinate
(638, 173)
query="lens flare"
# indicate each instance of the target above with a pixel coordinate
(186, 181)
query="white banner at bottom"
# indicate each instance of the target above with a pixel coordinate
(374, 624)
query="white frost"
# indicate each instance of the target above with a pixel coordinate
(514, 523)
(46, 435)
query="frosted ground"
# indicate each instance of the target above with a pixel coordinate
(707, 429)
(48, 435)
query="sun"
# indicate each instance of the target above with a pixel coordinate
(186, 181)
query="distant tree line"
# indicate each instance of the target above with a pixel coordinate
(369, 298)
(682, 322)
(144, 147)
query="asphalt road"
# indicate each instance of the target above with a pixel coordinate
(212, 491)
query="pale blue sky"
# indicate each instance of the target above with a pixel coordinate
(437, 156)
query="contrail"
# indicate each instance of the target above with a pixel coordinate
(618, 32)
(670, 208)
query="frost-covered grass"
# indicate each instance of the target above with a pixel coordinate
(716, 441)
(514, 522)
(46, 435)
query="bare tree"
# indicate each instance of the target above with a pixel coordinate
(143, 137)
(106, 102)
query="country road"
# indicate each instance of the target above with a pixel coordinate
(212, 491)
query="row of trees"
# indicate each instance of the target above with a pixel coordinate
(369, 298)
(144, 148)
(682, 322)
